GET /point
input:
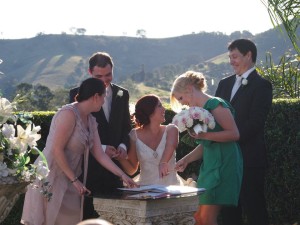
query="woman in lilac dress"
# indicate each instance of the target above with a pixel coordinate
(73, 135)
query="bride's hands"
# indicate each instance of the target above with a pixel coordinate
(163, 169)
(128, 181)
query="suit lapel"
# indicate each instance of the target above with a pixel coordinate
(237, 94)
(230, 84)
(252, 76)
(115, 90)
(100, 116)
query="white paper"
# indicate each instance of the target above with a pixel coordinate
(171, 189)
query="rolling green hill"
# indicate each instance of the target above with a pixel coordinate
(143, 90)
(222, 58)
(61, 61)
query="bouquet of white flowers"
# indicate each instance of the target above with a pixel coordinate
(195, 119)
(16, 146)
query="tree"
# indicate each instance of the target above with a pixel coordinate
(247, 34)
(78, 31)
(33, 98)
(131, 86)
(0, 75)
(42, 97)
(39, 34)
(0, 63)
(61, 97)
(285, 76)
(26, 91)
(81, 31)
(141, 33)
(287, 13)
(236, 35)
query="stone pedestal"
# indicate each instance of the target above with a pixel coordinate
(9, 194)
(166, 211)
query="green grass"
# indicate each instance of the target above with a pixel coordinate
(222, 58)
(144, 90)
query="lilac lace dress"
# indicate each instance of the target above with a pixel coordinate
(65, 207)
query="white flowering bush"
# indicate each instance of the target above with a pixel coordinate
(17, 144)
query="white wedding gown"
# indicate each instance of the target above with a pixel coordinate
(149, 160)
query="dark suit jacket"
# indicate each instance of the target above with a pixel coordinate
(112, 133)
(252, 103)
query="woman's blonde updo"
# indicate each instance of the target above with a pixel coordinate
(195, 79)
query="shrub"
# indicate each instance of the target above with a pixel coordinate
(283, 143)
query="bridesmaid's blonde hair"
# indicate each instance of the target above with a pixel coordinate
(195, 79)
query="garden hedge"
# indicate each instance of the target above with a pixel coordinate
(283, 175)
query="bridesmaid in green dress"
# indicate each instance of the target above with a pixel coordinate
(222, 166)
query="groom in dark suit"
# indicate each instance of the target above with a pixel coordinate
(114, 125)
(251, 97)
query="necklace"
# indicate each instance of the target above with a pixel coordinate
(155, 154)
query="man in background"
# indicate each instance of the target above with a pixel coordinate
(251, 97)
(114, 125)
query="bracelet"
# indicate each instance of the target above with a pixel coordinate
(75, 179)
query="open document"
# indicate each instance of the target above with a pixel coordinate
(161, 191)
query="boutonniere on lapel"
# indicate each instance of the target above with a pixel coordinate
(120, 93)
(244, 82)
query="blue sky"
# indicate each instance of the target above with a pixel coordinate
(159, 18)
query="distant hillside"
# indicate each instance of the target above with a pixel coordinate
(222, 58)
(61, 60)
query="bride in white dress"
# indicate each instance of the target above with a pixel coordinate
(152, 146)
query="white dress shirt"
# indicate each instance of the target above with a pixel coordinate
(238, 81)
(107, 102)
(107, 108)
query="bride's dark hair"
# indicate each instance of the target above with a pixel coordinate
(144, 107)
